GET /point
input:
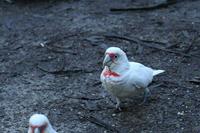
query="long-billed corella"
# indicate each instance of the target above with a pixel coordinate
(123, 78)
(39, 123)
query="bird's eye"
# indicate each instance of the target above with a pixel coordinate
(116, 56)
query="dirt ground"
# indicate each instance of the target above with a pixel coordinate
(51, 58)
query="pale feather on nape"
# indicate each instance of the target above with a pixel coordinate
(156, 72)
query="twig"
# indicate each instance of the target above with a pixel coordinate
(122, 38)
(4, 72)
(99, 109)
(58, 50)
(61, 71)
(191, 44)
(195, 80)
(147, 8)
(155, 86)
(142, 42)
(98, 122)
(168, 83)
(152, 41)
(58, 38)
(82, 98)
(10, 73)
(97, 83)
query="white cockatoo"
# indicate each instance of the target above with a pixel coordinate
(123, 78)
(39, 123)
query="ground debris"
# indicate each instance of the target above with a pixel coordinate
(195, 80)
(147, 8)
(98, 122)
(82, 98)
(62, 71)
(146, 44)
(51, 61)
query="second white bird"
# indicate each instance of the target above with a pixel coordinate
(123, 78)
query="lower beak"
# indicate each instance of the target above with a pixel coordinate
(107, 61)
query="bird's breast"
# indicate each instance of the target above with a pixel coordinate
(109, 73)
(118, 87)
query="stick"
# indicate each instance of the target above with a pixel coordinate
(61, 71)
(195, 80)
(98, 122)
(147, 8)
(56, 39)
(168, 83)
(155, 86)
(142, 42)
(97, 83)
(82, 98)
(191, 44)
(59, 50)
(59, 37)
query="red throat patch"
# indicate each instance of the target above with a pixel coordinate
(109, 73)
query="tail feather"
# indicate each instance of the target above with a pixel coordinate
(156, 72)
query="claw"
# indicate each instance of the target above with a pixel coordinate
(118, 109)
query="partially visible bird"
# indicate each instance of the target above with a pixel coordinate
(123, 78)
(39, 123)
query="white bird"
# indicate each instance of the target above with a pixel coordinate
(123, 78)
(39, 123)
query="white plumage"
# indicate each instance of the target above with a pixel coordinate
(123, 78)
(39, 123)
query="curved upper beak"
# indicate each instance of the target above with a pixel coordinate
(107, 61)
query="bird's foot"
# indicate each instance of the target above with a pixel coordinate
(117, 106)
(147, 93)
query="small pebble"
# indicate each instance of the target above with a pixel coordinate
(113, 114)
(79, 113)
(42, 44)
(180, 113)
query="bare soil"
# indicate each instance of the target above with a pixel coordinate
(51, 58)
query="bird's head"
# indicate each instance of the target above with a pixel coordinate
(38, 123)
(115, 58)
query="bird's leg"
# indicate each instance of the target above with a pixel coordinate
(146, 94)
(118, 104)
